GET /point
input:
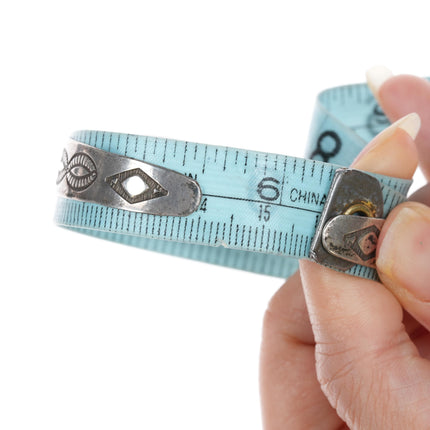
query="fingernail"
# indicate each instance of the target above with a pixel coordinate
(391, 148)
(376, 76)
(404, 254)
(410, 123)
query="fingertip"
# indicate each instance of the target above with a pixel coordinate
(406, 238)
(376, 76)
(392, 152)
(403, 94)
(341, 305)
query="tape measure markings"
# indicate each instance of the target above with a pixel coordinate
(261, 214)
(230, 233)
(261, 202)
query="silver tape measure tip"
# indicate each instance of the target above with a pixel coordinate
(350, 222)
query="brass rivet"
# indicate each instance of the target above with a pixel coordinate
(365, 208)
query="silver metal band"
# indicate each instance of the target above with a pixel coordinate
(92, 175)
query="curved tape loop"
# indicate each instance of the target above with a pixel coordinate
(257, 210)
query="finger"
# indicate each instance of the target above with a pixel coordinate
(400, 95)
(422, 343)
(287, 313)
(291, 396)
(365, 359)
(422, 195)
(392, 150)
(410, 323)
(405, 237)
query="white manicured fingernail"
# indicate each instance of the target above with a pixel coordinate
(386, 153)
(376, 76)
(411, 124)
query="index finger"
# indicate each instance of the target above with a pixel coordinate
(401, 95)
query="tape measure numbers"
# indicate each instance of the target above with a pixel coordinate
(255, 210)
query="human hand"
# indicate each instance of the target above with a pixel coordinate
(343, 352)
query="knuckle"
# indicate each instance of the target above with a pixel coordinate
(349, 382)
(334, 363)
(356, 386)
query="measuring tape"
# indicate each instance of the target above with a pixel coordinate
(248, 210)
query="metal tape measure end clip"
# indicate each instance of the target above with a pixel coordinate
(350, 222)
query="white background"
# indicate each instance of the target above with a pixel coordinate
(95, 335)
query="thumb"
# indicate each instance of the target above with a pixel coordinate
(366, 364)
(405, 238)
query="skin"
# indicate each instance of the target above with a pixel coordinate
(342, 352)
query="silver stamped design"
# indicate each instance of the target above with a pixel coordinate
(97, 176)
(80, 172)
(153, 191)
(352, 238)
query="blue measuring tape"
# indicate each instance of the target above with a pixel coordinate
(244, 209)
